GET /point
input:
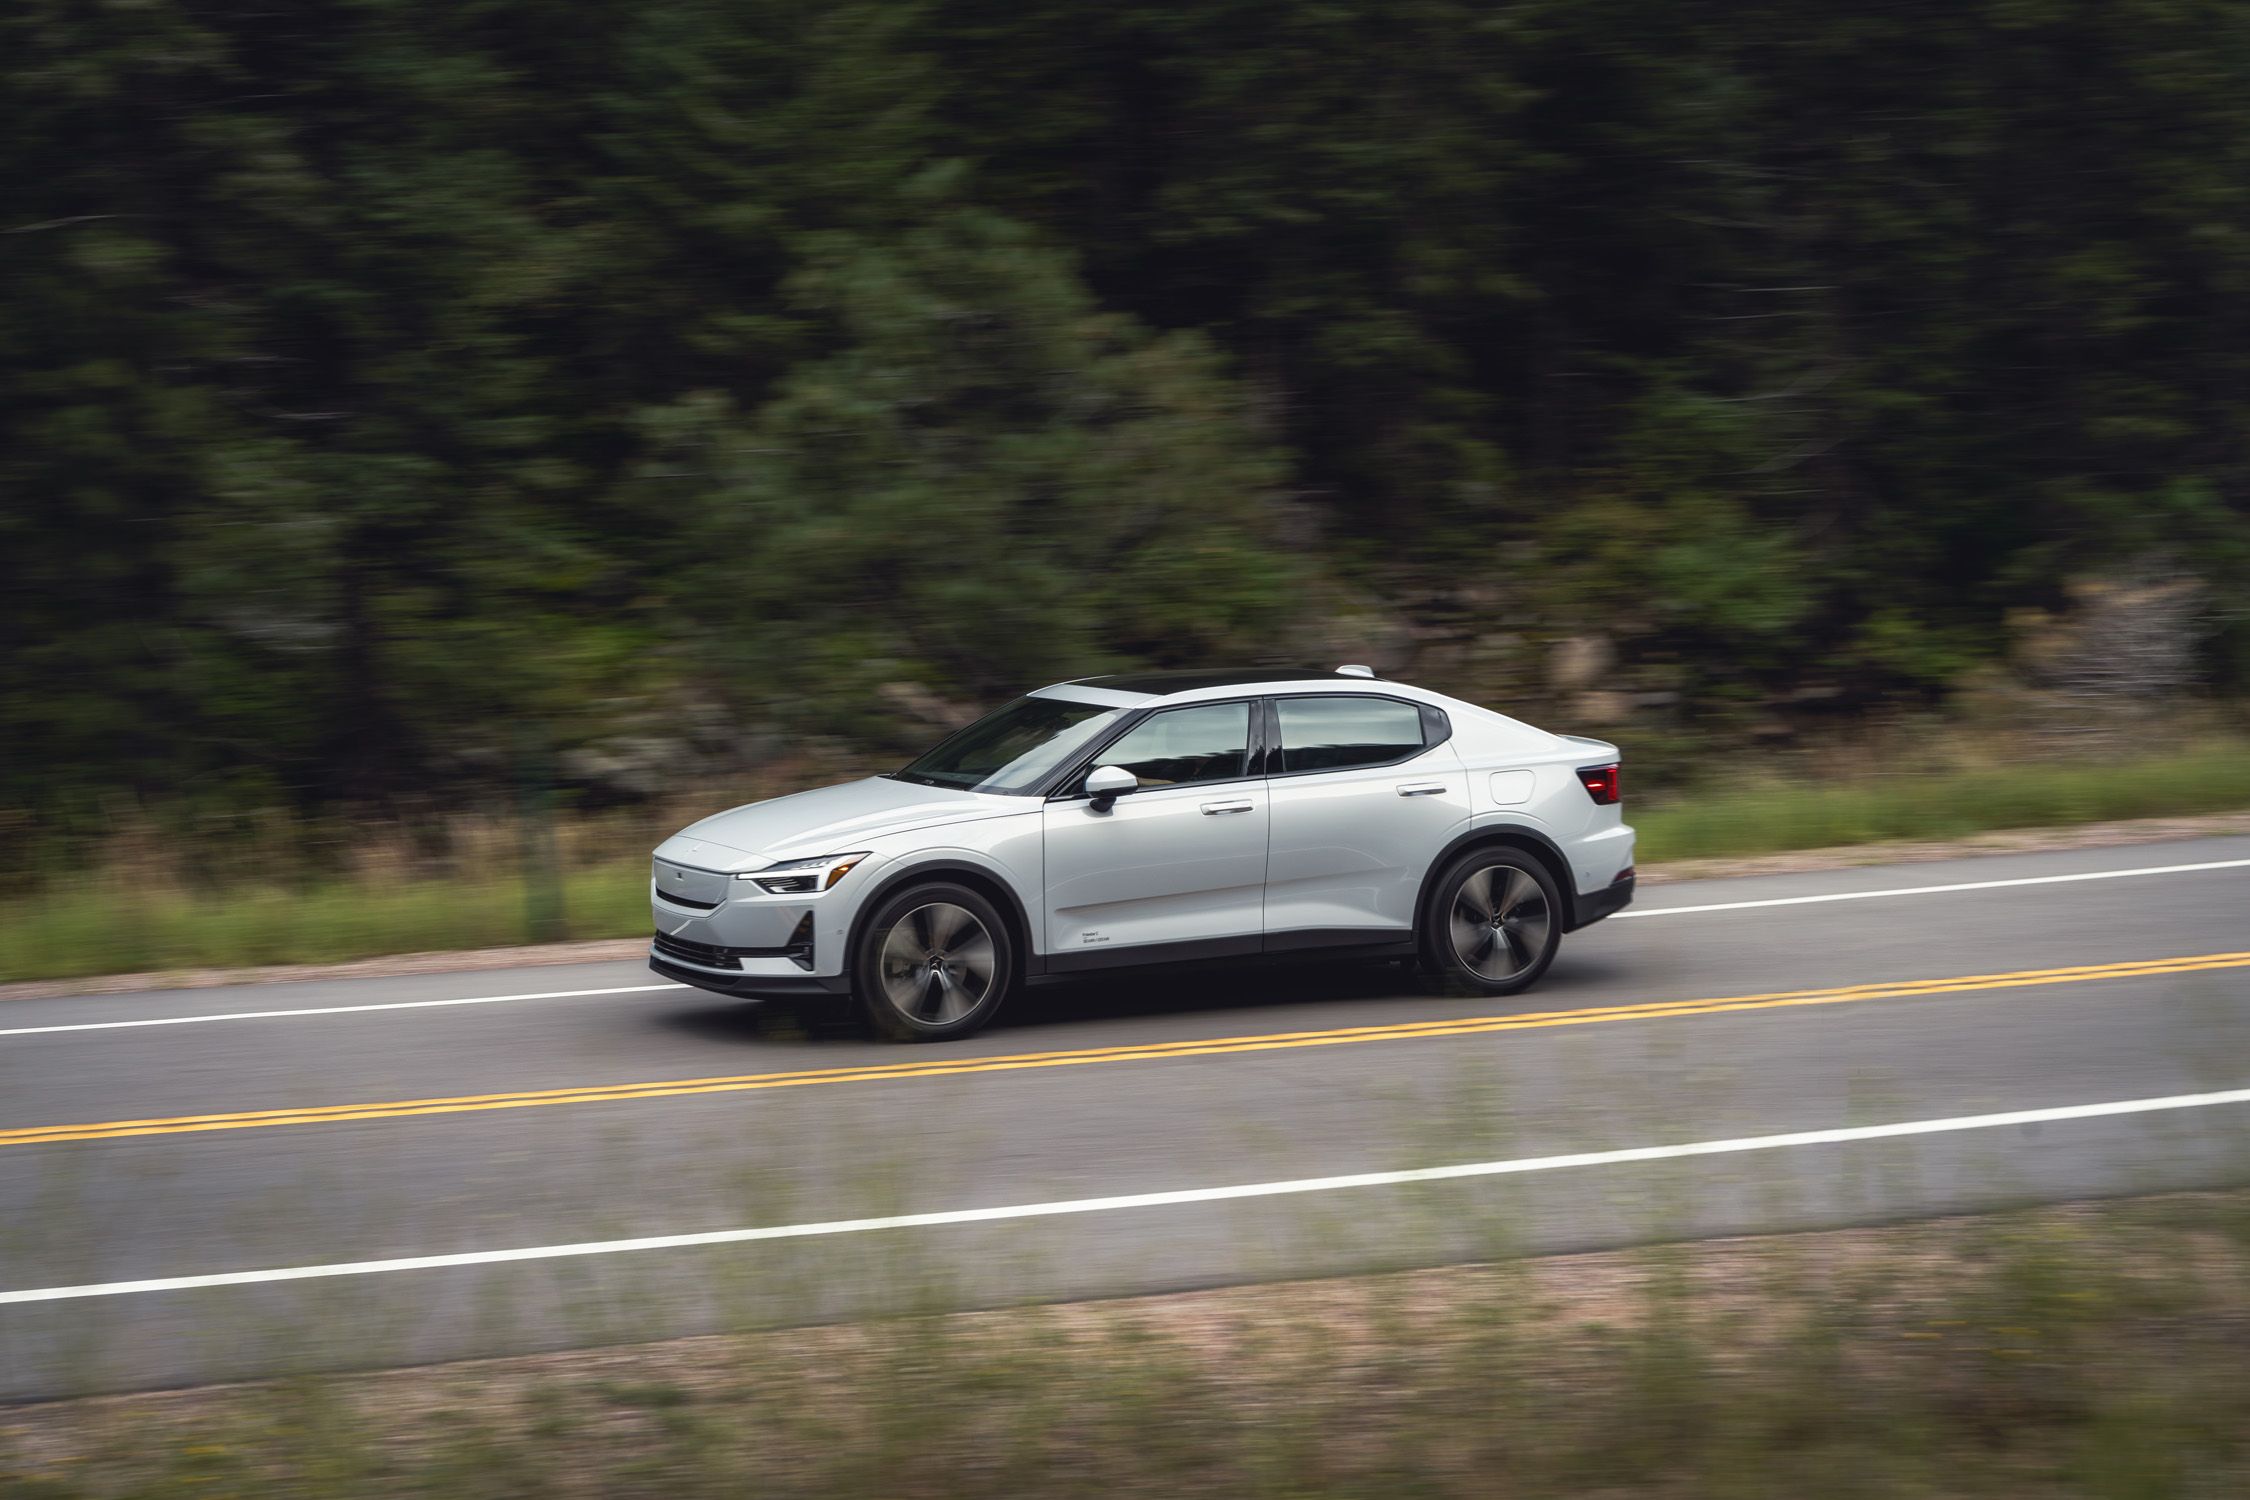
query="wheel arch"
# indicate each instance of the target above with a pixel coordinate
(986, 881)
(1499, 835)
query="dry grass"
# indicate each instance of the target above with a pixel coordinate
(2099, 1350)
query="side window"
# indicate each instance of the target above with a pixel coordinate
(1180, 745)
(1335, 734)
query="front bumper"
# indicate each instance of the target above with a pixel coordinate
(748, 984)
(775, 936)
(1608, 901)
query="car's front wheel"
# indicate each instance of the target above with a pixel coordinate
(933, 962)
(1494, 923)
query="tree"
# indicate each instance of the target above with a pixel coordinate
(981, 480)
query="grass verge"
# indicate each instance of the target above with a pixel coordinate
(130, 919)
(115, 928)
(2098, 1350)
(1776, 815)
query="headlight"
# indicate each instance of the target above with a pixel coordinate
(802, 877)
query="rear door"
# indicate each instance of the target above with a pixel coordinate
(1364, 791)
(1175, 868)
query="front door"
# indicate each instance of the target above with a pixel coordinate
(1175, 868)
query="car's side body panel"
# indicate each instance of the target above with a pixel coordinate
(1522, 777)
(1006, 849)
(1349, 847)
(1173, 864)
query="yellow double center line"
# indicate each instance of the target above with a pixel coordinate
(948, 1067)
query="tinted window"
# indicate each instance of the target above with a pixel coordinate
(1012, 749)
(1206, 743)
(1332, 734)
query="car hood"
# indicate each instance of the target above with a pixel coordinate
(827, 820)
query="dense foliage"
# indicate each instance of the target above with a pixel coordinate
(379, 380)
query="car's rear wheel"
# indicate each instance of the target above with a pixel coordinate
(1495, 922)
(934, 962)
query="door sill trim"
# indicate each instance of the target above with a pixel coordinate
(1369, 942)
(1375, 940)
(1196, 950)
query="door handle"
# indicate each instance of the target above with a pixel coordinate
(1420, 788)
(1215, 809)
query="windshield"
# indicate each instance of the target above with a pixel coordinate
(1012, 749)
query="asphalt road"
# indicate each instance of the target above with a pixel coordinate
(309, 1148)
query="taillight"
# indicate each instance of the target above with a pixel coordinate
(1601, 783)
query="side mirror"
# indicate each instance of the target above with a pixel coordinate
(1105, 784)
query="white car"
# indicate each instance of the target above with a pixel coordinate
(1154, 818)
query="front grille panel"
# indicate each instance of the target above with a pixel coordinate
(696, 889)
(710, 955)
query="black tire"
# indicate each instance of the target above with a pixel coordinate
(933, 962)
(1494, 922)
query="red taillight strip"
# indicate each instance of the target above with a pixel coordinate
(1602, 783)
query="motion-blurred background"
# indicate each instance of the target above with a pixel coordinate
(421, 424)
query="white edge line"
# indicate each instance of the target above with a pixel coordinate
(1931, 890)
(1167, 1199)
(331, 1010)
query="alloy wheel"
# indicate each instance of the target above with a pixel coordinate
(937, 963)
(1501, 923)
